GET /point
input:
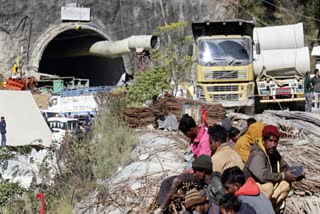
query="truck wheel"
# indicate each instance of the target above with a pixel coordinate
(297, 106)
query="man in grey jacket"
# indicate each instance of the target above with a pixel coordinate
(316, 88)
(268, 168)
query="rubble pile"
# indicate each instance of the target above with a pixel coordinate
(294, 123)
(306, 193)
(133, 188)
(138, 116)
(306, 154)
(169, 104)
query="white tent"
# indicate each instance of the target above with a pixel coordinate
(25, 123)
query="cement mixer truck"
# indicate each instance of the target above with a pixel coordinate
(243, 67)
(281, 65)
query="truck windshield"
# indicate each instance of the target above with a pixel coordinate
(226, 52)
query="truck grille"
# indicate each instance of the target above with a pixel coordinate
(223, 88)
(209, 75)
(229, 97)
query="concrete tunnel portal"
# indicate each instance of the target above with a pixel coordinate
(67, 54)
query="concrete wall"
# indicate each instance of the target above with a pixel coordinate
(115, 19)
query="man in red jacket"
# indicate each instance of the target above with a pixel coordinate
(247, 191)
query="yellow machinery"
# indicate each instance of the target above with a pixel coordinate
(223, 63)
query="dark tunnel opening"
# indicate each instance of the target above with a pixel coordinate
(67, 56)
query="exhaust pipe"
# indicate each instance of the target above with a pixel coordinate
(115, 49)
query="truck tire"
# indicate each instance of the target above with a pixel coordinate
(297, 106)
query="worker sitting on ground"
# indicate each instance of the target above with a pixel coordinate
(174, 188)
(198, 134)
(230, 204)
(194, 202)
(223, 156)
(234, 181)
(268, 168)
(249, 121)
(233, 136)
(244, 143)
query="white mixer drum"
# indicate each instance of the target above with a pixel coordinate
(279, 37)
(283, 59)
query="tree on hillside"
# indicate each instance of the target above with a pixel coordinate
(171, 65)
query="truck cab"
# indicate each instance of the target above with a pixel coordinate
(62, 126)
(222, 63)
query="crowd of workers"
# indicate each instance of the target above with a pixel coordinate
(229, 173)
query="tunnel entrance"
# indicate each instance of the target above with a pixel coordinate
(67, 55)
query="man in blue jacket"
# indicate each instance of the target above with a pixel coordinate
(3, 131)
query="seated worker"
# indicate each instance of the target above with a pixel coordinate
(243, 144)
(223, 155)
(233, 136)
(168, 193)
(230, 204)
(198, 135)
(194, 202)
(214, 192)
(268, 168)
(234, 181)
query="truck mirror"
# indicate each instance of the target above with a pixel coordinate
(258, 50)
(190, 49)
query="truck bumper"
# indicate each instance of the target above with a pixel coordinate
(283, 100)
(233, 104)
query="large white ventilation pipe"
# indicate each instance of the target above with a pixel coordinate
(114, 49)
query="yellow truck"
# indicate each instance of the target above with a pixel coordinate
(222, 56)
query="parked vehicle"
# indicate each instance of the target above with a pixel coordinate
(62, 126)
(241, 66)
(281, 65)
(223, 63)
(76, 102)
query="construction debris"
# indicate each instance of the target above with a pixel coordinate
(306, 154)
(169, 104)
(294, 123)
(139, 116)
(133, 188)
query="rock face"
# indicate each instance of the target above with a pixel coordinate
(27, 27)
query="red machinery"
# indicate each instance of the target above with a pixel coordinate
(23, 83)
